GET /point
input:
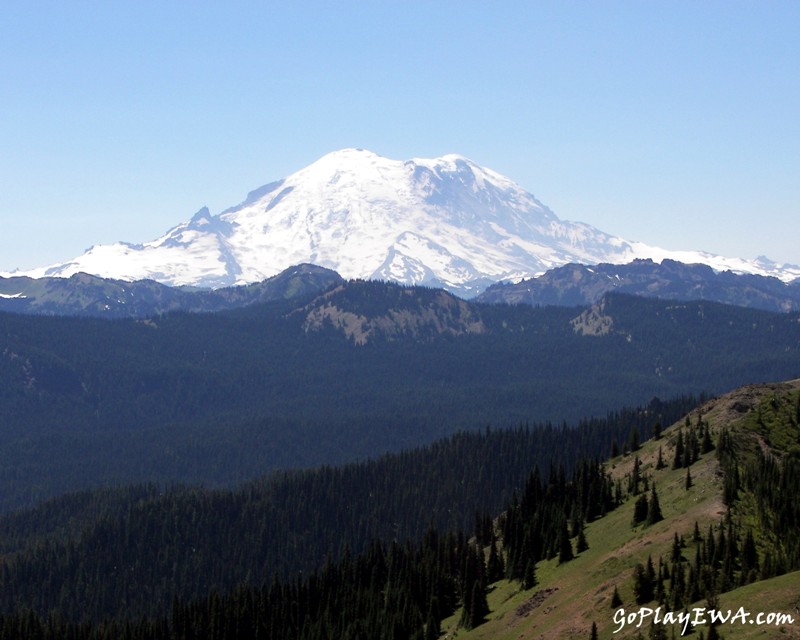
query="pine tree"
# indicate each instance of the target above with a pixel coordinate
(708, 444)
(688, 481)
(529, 579)
(642, 585)
(657, 430)
(494, 565)
(660, 582)
(639, 510)
(691, 448)
(433, 627)
(749, 555)
(477, 608)
(636, 477)
(616, 600)
(677, 554)
(633, 440)
(565, 553)
(653, 508)
(677, 461)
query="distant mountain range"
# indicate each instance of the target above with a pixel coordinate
(445, 222)
(85, 295)
(577, 285)
(570, 285)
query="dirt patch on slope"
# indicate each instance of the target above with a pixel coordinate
(534, 602)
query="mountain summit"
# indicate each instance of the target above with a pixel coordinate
(444, 222)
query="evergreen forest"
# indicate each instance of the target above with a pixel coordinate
(367, 367)
(130, 551)
(410, 585)
(385, 462)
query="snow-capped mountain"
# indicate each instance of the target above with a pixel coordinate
(443, 222)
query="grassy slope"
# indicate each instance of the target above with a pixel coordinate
(570, 597)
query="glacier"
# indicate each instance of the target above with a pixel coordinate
(443, 222)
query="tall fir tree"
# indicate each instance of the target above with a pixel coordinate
(653, 508)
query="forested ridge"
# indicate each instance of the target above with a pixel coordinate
(220, 398)
(130, 551)
(392, 589)
(403, 585)
(86, 295)
(199, 405)
(578, 284)
(757, 536)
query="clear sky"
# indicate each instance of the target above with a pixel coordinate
(673, 123)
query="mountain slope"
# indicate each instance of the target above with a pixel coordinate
(362, 368)
(443, 222)
(569, 597)
(85, 295)
(728, 528)
(570, 285)
(577, 285)
(305, 515)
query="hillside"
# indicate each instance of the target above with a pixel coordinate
(181, 541)
(85, 295)
(571, 285)
(570, 597)
(358, 370)
(725, 529)
(578, 285)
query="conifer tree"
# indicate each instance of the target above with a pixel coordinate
(635, 477)
(494, 565)
(633, 440)
(677, 554)
(476, 607)
(642, 585)
(708, 444)
(691, 448)
(433, 626)
(657, 430)
(529, 579)
(639, 510)
(749, 559)
(653, 508)
(660, 582)
(565, 553)
(677, 461)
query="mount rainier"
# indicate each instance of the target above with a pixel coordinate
(443, 222)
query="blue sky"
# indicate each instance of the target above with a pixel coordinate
(674, 123)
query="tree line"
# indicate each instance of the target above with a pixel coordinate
(130, 550)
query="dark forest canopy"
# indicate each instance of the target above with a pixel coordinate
(188, 541)
(219, 398)
(395, 588)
